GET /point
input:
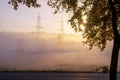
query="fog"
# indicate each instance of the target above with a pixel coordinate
(49, 51)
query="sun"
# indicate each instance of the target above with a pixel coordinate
(82, 29)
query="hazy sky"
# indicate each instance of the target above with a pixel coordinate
(25, 19)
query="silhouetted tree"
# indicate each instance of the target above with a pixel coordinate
(28, 3)
(102, 22)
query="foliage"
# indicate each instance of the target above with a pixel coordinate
(98, 25)
(103, 69)
(28, 3)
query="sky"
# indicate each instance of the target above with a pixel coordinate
(25, 19)
(53, 54)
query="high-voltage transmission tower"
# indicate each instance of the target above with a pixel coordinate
(38, 26)
(61, 35)
(62, 27)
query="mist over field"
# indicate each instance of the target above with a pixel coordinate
(49, 51)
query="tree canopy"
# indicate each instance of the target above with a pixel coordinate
(98, 25)
(28, 3)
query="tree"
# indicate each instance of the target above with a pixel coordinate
(102, 23)
(101, 19)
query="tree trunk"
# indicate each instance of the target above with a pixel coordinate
(116, 45)
(114, 60)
